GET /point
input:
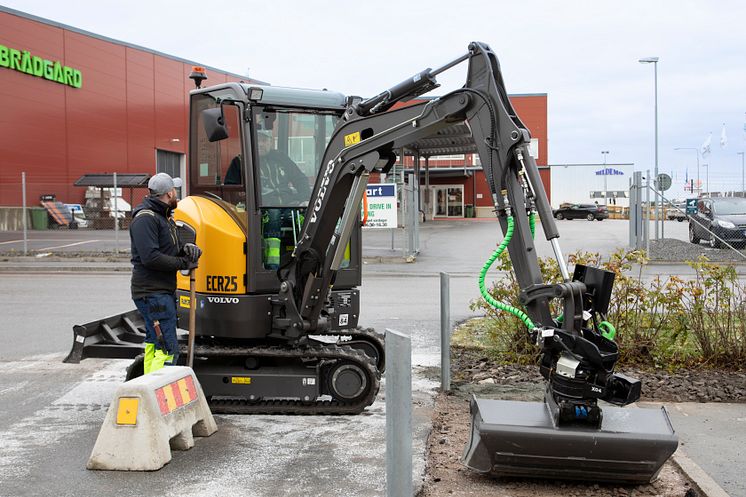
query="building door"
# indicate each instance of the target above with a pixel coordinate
(171, 163)
(449, 201)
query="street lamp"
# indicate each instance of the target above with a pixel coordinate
(743, 190)
(696, 150)
(654, 61)
(606, 174)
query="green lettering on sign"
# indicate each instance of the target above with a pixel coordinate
(53, 70)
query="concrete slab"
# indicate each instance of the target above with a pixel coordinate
(713, 435)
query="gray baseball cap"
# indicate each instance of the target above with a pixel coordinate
(162, 183)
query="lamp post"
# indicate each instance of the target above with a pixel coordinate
(654, 61)
(707, 180)
(696, 151)
(743, 190)
(606, 200)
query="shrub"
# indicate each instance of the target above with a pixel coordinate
(663, 322)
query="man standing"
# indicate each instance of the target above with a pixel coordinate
(156, 256)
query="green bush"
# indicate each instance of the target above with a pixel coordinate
(661, 322)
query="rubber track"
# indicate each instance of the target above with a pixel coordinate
(367, 334)
(331, 351)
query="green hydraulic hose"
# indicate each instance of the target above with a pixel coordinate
(532, 224)
(485, 294)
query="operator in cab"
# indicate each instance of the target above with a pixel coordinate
(283, 185)
(156, 257)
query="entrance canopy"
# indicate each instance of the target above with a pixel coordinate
(106, 180)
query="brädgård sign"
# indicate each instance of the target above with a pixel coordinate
(381, 205)
(23, 61)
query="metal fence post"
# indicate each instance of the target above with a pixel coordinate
(24, 213)
(116, 218)
(445, 332)
(398, 414)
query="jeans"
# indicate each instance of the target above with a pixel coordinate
(159, 307)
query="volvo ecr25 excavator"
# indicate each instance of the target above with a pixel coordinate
(277, 299)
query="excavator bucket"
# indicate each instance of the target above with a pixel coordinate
(520, 439)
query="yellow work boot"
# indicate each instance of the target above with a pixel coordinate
(160, 359)
(147, 363)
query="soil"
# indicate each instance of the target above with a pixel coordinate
(474, 373)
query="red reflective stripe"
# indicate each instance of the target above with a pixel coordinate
(177, 393)
(162, 404)
(190, 386)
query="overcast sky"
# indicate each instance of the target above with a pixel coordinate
(584, 55)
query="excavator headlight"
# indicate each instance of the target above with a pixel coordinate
(255, 94)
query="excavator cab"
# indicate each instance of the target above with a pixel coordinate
(255, 152)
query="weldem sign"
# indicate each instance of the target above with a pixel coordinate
(23, 61)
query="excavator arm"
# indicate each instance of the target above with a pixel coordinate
(577, 359)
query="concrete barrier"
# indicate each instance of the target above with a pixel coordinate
(11, 218)
(149, 416)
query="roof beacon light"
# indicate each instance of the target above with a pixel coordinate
(198, 75)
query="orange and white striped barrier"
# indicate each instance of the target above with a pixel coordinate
(148, 417)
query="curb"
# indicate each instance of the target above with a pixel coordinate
(704, 482)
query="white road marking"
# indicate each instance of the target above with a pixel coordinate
(35, 240)
(69, 245)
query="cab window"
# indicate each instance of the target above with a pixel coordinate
(217, 168)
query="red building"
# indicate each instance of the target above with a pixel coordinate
(75, 103)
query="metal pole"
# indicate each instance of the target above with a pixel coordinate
(24, 213)
(398, 414)
(743, 188)
(445, 332)
(647, 211)
(116, 218)
(657, 210)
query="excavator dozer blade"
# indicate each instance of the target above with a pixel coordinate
(519, 439)
(116, 337)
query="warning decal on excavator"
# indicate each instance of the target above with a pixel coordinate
(242, 380)
(352, 139)
(184, 301)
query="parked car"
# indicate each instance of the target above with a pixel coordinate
(677, 212)
(582, 211)
(725, 217)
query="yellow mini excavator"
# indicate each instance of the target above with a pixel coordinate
(277, 301)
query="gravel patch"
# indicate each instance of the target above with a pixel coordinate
(674, 250)
(475, 372)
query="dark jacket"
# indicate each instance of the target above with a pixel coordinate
(156, 254)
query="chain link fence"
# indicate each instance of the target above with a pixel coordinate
(52, 203)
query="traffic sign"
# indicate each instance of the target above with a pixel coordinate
(663, 182)
(691, 206)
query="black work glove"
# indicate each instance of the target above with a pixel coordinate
(192, 252)
(187, 265)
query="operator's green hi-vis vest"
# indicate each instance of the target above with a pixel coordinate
(272, 252)
(23, 61)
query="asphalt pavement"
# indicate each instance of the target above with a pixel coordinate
(51, 411)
